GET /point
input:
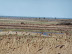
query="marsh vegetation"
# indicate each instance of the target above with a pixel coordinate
(35, 36)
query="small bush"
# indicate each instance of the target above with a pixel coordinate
(65, 23)
(22, 22)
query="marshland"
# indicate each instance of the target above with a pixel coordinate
(28, 35)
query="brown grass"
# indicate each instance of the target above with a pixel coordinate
(36, 44)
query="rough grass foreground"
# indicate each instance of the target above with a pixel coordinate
(56, 44)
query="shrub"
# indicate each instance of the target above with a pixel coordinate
(65, 23)
(22, 22)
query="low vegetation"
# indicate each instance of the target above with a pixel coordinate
(65, 23)
(12, 44)
(17, 36)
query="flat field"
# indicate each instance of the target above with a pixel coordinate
(35, 36)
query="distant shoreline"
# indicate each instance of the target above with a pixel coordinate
(32, 17)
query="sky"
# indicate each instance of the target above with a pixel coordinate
(36, 8)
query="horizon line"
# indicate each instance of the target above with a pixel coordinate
(37, 17)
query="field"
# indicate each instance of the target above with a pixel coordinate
(35, 36)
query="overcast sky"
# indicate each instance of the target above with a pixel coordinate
(36, 8)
